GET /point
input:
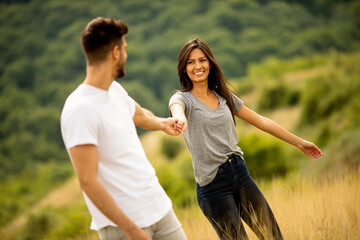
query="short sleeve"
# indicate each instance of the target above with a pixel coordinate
(238, 102)
(79, 125)
(179, 98)
(122, 93)
(131, 105)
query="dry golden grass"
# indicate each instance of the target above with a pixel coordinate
(305, 210)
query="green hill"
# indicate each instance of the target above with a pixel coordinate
(326, 85)
(294, 61)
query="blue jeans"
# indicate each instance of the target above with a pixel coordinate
(232, 196)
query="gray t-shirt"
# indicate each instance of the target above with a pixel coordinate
(211, 135)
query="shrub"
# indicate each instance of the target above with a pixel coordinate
(265, 156)
(180, 190)
(171, 146)
(38, 225)
(279, 95)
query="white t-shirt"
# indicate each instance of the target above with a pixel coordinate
(105, 119)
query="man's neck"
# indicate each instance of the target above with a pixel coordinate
(99, 76)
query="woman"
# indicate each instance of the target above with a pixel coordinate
(207, 108)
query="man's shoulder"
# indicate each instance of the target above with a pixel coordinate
(117, 87)
(77, 98)
(78, 103)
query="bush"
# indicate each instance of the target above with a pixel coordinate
(72, 222)
(265, 156)
(177, 178)
(331, 93)
(38, 225)
(171, 146)
(180, 189)
(22, 191)
(279, 95)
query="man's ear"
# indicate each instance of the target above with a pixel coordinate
(115, 53)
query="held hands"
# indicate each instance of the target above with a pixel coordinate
(174, 126)
(310, 149)
(181, 125)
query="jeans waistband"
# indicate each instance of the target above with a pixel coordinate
(233, 157)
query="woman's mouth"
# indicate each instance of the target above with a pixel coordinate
(199, 73)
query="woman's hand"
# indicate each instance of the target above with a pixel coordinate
(310, 149)
(170, 126)
(181, 125)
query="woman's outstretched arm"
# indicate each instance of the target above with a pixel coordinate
(177, 111)
(271, 127)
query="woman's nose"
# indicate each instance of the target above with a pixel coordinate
(197, 65)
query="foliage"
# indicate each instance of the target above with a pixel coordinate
(176, 175)
(322, 99)
(39, 225)
(264, 156)
(326, 88)
(288, 53)
(170, 147)
(52, 223)
(21, 191)
(279, 95)
(42, 60)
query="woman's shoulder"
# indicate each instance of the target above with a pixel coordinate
(182, 94)
(183, 97)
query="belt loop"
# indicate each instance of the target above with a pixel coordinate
(231, 157)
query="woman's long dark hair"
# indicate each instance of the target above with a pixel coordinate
(216, 81)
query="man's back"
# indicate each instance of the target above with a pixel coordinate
(104, 118)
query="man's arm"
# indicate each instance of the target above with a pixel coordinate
(147, 120)
(85, 159)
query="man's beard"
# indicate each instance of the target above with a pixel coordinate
(120, 71)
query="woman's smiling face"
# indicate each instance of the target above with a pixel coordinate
(198, 66)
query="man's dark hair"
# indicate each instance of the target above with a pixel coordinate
(100, 36)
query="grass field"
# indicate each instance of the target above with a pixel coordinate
(305, 210)
(310, 207)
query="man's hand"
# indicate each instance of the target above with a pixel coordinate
(173, 126)
(136, 234)
(85, 159)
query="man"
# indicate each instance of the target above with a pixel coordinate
(98, 122)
